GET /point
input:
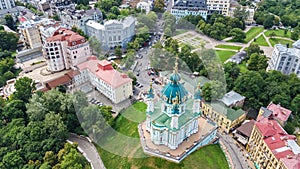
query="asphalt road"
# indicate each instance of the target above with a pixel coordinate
(89, 150)
(237, 156)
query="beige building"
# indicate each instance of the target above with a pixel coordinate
(270, 147)
(218, 6)
(226, 118)
(30, 35)
(114, 85)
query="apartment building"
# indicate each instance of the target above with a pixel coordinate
(285, 59)
(270, 147)
(112, 33)
(65, 49)
(218, 6)
(114, 85)
(182, 8)
(226, 118)
(7, 4)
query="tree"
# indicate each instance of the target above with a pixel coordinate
(129, 59)
(159, 6)
(24, 88)
(131, 75)
(257, 62)
(240, 13)
(115, 10)
(56, 17)
(55, 127)
(295, 35)
(296, 104)
(250, 84)
(237, 34)
(96, 46)
(213, 90)
(232, 72)
(118, 51)
(269, 21)
(253, 48)
(8, 41)
(289, 128)
(9, 21)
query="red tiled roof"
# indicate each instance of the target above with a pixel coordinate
(63, 34)
(58, 81)
(292, 162)
(275, 137)
(104, 70)
(279, 112)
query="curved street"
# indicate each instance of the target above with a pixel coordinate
(236, 155)
(88, 150)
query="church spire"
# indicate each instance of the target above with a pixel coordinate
(150, 92)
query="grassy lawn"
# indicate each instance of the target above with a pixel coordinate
(274, 41)
(254, 31)
(208, 157)
(180, 31)
(261, 41)
(229, 47)
(278, 32)
(224, 54)
(243, 67)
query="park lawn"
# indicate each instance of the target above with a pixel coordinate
(278, 32)
(275, 41)
(208, 157)
(243, 67)
(261, 41)
(180, 31)
(229, 47)
(254, 31)
(224, 54)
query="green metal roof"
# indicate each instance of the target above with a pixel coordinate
(171, 90)
(230, 113)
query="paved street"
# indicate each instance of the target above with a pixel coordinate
(236, 154)
(89, 150)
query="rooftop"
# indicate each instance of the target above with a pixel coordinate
(104, 70)
(279, 112)
(292, 162)
(63, 34)
(246, 128)
(230, 113)
(279, 142)
(231, 98)
(191, 4)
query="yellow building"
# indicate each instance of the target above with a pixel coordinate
(226, 118)
(270, 146)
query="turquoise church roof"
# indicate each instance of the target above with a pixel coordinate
(198, 95)
(174, 89)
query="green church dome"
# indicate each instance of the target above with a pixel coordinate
(172, 90)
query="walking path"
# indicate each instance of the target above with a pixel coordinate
(89, 151)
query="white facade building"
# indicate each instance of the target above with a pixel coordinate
(112, 33)
(114, 85)
(7, 4)
(65, 49)
(182, 8)
(286, 60)
(145, 5)
(218, 6)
